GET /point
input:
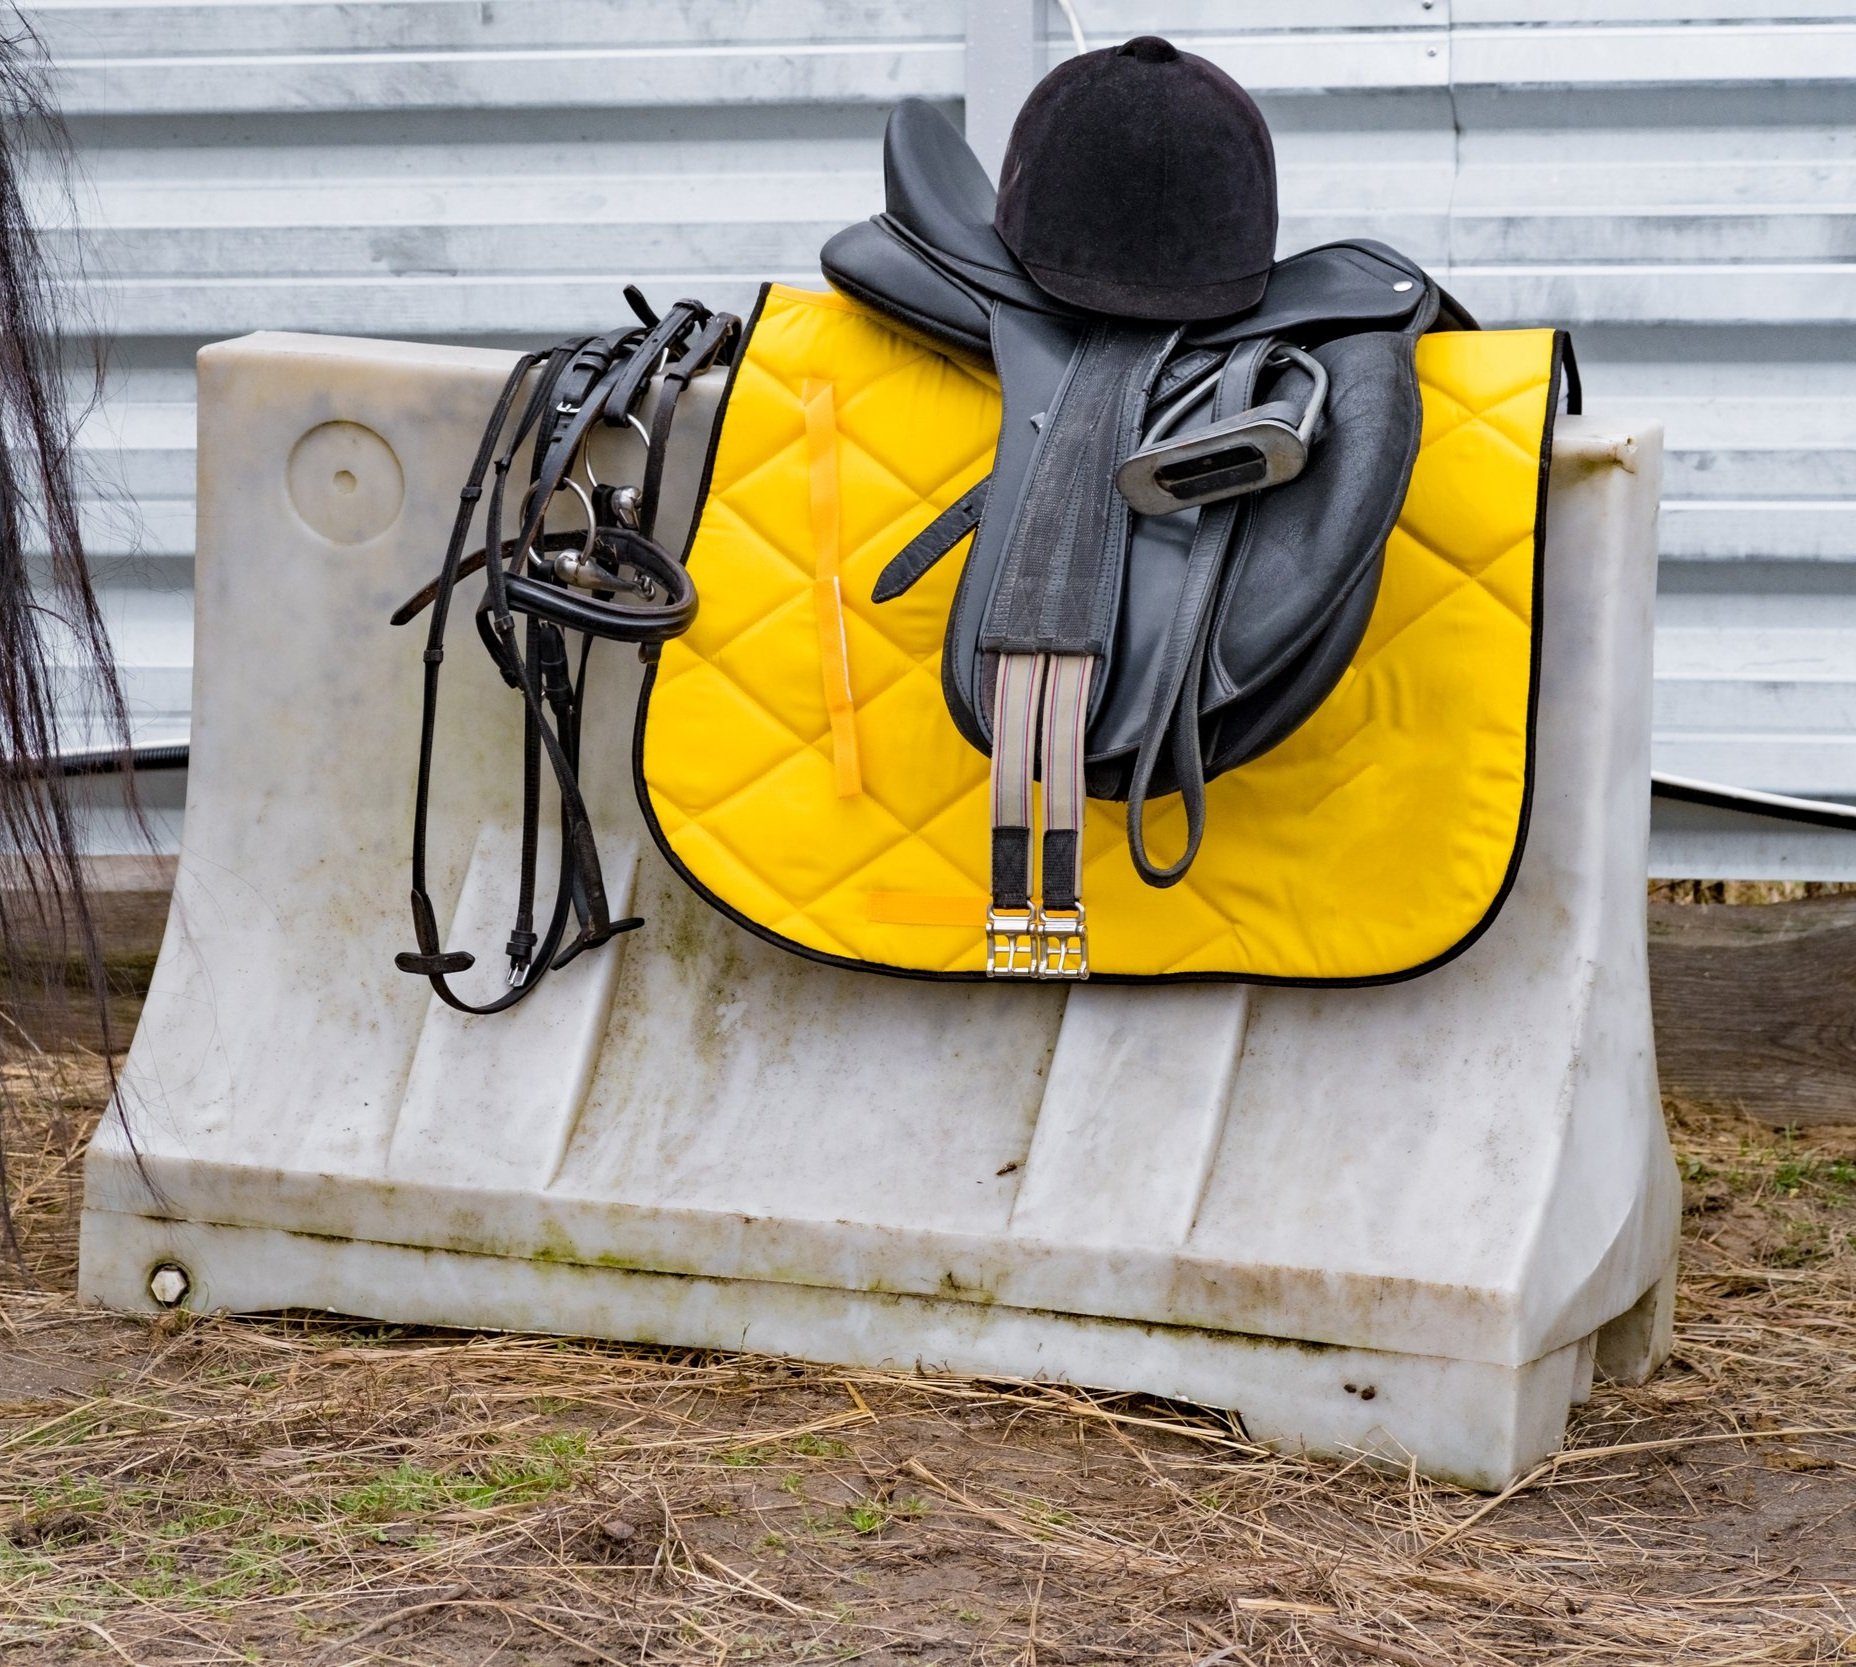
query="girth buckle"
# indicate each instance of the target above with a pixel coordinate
(1065, 939)
(1261, 447)
(1014, 944)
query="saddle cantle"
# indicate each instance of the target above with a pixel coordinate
(1180, 544)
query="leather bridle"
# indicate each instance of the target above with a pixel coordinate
(610, 579)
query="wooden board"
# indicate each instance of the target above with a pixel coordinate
(45, 994)
(1756, 1006)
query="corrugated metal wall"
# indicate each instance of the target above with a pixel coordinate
(1680, 190)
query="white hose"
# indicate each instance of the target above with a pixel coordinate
(1068, 8)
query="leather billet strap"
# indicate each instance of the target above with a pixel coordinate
(1062, 931)
(928, 546)
(556, 582)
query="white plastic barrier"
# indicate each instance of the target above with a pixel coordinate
(1408, 1220)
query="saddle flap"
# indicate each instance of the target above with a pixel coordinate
(1302, 554)
(1313, 540)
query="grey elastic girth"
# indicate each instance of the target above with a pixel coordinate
(1040, 708)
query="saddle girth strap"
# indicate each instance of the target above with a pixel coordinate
(1060, 582)
(1035, 925)
(1049, 620)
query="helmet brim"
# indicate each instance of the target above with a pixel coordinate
(1184, 304)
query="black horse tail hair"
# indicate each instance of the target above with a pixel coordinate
(55, 655)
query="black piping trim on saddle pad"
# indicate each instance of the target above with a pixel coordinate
(1562, 371)
(715, 445)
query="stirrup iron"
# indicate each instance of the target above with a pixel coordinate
(1258, 448)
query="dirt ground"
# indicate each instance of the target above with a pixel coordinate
(296, 1490)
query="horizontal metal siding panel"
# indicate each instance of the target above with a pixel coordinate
(267, 58)
(1675, 187)
(455, 171)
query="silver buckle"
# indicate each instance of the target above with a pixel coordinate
(1013, 944)
(1258, 448)
(1066, 943)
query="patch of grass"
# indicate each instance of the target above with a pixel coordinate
(82, 1494)
(567, 1446)
(20, 1565)
(1793, 1175)
(748, 1458)
(199, 1517)
(412, 1491)
(1045, 1514)
(242, 1578)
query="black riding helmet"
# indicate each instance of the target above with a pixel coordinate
(1140, 180)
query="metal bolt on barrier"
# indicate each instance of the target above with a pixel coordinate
(169, 1284)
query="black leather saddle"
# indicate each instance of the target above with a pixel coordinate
(1179, 546)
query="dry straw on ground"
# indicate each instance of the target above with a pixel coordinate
(302, 1491)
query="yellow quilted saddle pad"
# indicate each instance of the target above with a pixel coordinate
(797, 764)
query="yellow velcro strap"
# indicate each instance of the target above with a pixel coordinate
(924, 908)
(834, 653)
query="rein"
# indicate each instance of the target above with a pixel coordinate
(612, 579)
